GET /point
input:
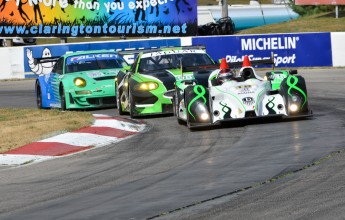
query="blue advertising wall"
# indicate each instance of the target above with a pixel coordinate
(58, 50)
(290, 50)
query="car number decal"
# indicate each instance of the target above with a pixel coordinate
(160, 53)
(185, 77)
(95, 74)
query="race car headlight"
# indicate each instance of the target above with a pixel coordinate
(80, 82)
(204, 116)
(293, 107)
(146, 86)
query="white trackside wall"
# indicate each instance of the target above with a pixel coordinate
(338, 49)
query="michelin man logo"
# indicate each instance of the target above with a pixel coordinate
(40, 68)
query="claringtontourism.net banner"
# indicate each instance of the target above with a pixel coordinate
(78, 18)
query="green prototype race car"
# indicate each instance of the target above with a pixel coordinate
(80, 80)
(143, 86)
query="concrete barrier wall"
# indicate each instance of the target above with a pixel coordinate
(338, 49)
(11, 63)
(14, 61)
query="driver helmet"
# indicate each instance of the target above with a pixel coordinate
(225, 73)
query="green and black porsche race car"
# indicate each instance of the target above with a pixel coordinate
(142, 87)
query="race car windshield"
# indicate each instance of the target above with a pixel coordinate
(173, 61)
(93, 62)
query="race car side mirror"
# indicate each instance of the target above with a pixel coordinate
(292, 72)
(268, 76)
(127, 68)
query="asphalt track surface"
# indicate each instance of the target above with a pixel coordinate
(257, 170)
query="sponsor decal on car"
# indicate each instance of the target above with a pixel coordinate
(185, 77)
(160, 53)
(95, 74)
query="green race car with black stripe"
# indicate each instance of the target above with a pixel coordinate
(142, 88)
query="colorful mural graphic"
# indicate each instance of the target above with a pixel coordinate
(75, 18)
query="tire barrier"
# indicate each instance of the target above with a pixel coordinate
(224, 26)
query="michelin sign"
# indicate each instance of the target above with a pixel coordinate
(290, 50)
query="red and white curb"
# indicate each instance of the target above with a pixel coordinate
(105, 130)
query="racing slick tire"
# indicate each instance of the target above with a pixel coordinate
(118, 102)
(131, 105)
(63, 98)
(177, 101)
(38, 96)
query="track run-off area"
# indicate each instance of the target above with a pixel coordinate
(256, 170)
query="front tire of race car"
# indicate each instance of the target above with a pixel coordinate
(38, 96)
(131, 105)
(176, 109)
(118, 102)
(63, 99)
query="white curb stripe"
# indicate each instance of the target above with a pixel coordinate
(127, 126)
(82, 139)
(20, 159)
(76, 139)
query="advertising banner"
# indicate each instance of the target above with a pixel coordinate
(290, 50)
(78, 18)
(33, 69)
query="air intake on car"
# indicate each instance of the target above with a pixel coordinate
(250, 114)
(104, 78)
